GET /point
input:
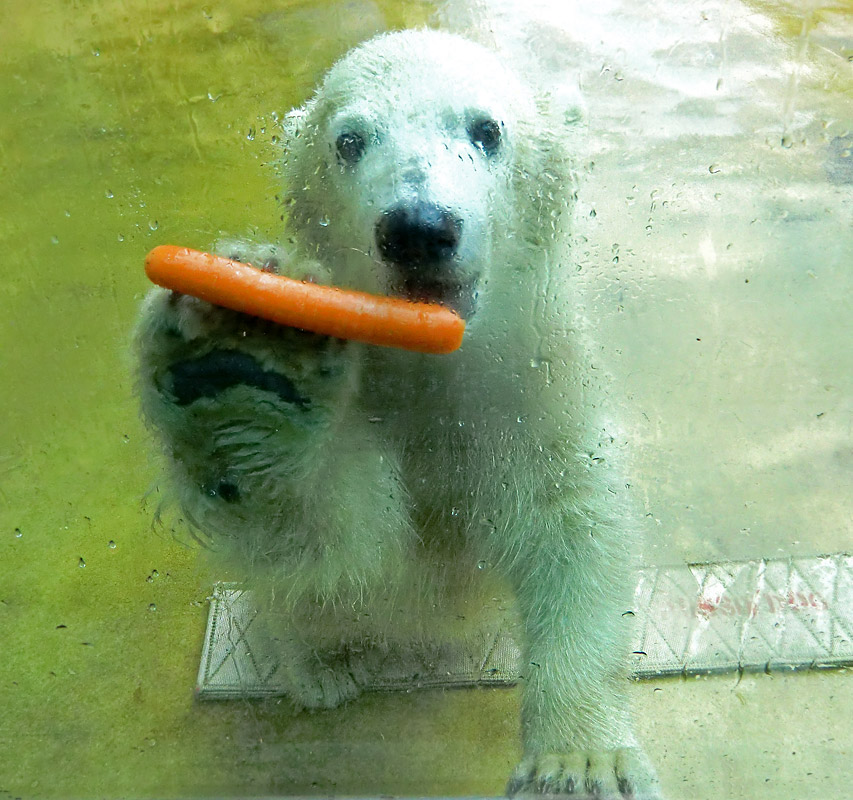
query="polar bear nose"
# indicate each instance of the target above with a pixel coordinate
(420, 235)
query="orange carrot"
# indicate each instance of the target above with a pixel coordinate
(346, 314)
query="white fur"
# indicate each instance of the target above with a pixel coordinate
(415, 488)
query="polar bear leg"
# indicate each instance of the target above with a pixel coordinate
(573, 591)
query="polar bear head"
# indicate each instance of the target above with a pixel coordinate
(424, 168)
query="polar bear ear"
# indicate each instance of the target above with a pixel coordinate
(570, 105)
(553, 150)
(293, 124)
(564, 127)
(563, 106)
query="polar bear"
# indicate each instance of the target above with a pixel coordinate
(375, 494)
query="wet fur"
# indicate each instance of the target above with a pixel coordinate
(412, 494)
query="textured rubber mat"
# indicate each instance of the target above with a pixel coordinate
(691, 619)
(753, 615)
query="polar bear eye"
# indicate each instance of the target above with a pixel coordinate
(486, 134)
(350, 147)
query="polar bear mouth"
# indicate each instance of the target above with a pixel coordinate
(459, 296)
(421, 242)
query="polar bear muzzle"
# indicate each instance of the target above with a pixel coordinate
(421, 242)
(418, 239)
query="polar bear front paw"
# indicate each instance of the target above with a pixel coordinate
(241, 404)
(619, 774)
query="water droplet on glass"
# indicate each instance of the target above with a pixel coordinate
(152, 606)
(112, 545)
(81, 563)
(251, 134)
(153, 224)
(481, 565)
(324, 222)
(18, 533)
(108, 194)
(54, 240)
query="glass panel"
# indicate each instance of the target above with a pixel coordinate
(710, 243)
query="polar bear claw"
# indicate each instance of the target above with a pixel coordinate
(620, 774)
